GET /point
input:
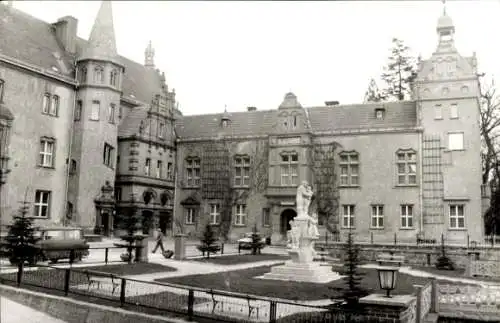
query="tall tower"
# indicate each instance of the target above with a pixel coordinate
(447, 93)
(149, 56)
(100, 75)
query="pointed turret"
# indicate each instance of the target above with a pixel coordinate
(102, 44)
(290, 102)
(149, 56)
(445, 30)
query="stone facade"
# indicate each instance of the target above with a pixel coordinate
(407, 168)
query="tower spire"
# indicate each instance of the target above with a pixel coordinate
(149, 55)
(102, 42)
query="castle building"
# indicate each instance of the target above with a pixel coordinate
(94, 135)
(85, 120)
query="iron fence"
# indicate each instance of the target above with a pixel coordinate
(221, 306)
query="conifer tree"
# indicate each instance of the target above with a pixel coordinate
(372, 94)
(399, 72)
(21, 239)
(352, 291)
(208, 241)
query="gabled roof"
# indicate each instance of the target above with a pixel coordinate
(34, 41)
(401, 114)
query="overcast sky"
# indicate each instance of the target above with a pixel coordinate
(251, 53)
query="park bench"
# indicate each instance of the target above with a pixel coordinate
(229, 300)
(390, 259)
(100, 279)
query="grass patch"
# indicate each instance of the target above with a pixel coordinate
(129, 269)
(241, 259)
(243, 281)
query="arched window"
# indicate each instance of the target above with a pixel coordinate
(113, 77)
(98, 75)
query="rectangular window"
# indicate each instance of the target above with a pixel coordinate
(108, 155)
(190, 215)
(147, 167)
(159, 168)
(193, 172)
(349, 169)
(78, 110)
(2, 87)
(406, 164)
(242, 171)
(454, 111)
(46, 152)
(241, 214)
(348, 216)
(377, 217)
(54, 107)
(438, 111)
(118, 194)
(457, 217)
(69, 211)
(290, 169)
(46, 103)
(96, 107)
(72, 167)
(214, 214)
(169, 170)
(407, 216)
(266, 217)
(111, 113)
(161, 130)
(98, 75)
(42, 204)
(456, 141)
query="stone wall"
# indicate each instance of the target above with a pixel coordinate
(424, 255)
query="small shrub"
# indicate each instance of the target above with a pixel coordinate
(208, 242)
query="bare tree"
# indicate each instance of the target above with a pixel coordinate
(324, 169)
(489, 123)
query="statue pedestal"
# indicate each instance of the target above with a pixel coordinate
(301, 267)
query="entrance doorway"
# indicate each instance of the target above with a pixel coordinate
(106, 230)
(286, 216)
(166, 223)
(147, 221)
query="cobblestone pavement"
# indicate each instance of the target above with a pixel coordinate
(13, 312)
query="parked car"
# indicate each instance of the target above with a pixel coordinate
(57, 243)
(245, 243)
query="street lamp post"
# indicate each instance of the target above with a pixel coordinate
(388, 277)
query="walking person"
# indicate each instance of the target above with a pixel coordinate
(159, 242)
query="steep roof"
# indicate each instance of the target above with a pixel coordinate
(34, 41)
(400, 114)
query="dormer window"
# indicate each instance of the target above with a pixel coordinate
(379, 113)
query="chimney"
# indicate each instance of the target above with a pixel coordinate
(66, 33)
(331, 103)
(251, 109)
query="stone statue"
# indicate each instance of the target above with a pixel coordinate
(313, 225)
(294, 239)
(304, 194)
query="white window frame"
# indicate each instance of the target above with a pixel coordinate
(98, 75)
(193, 172)
(147, 167)
(438, 112)
(214, 213)
(349, 169)
(113, 77)
(95, 110)
(190, 215)
(242, 166)
(408, 162)
(46, 103)
(159, 168)
(47, 148)
(348, 215)
(240, 216)
(377, 217)
(454, 111)
(108, 155)
(458, 145)
(54, 106)
(455, 216)
(289, 169)
(40, 205)
(407, 216)
(169, 170)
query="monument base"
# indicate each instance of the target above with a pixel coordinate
(311, 272)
